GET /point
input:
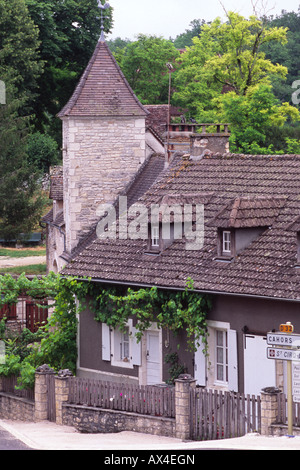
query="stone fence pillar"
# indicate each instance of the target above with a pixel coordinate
(61, 392)
(41, 392)
(269, 408)
(183, 385)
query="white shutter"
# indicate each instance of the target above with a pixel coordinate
(232, 361)
(200, 366)
(105, 342)
(136, 349)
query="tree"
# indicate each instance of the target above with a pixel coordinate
(287, 54)
(253, 116)
(21, 201)
(185, 39)
(68, 33)
(19, 56)
(227, 56)
(144, 65)
(42, 151)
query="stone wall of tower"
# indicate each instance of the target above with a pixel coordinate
(101, 155)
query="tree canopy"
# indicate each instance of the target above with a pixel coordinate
(143, 63)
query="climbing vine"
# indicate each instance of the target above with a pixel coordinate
(169, 309)
(55, 343)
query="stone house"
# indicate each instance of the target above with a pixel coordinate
(248, 263)
(246, 259)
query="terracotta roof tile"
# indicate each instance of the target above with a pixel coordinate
(103, 90)
(267, 185)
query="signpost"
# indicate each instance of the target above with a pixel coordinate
(285, 346)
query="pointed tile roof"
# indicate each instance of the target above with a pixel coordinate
(103, 90)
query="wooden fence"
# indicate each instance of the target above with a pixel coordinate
(282, 417)
(222, 415)
(9, 384)
(146, 400)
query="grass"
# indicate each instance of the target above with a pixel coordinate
(32, 269)
(22, 252)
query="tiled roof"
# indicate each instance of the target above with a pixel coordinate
(148, 173)
(103, 90)
(58, 221)
(266, 267)
(245, 212)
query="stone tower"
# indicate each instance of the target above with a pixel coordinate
(103, 142)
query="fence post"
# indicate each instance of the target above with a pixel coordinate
(182, 405)
(61, 392)
(269, 408)
(41, 392)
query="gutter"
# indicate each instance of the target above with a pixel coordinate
(232, 294)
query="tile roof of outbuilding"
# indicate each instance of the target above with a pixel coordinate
(265, 268)
(103, 90)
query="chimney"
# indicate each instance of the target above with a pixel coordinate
(205, 143)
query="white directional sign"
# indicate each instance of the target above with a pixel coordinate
(283, 354)
(296, 382)
(282, 339)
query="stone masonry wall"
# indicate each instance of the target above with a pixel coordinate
(15, 408)
(100, 158)
(95, 420)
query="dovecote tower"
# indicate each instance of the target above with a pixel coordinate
(103, 142)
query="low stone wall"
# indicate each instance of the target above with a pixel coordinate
(95, 420)
(16, 408)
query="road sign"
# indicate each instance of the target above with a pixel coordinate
(286, 328)
(283, 354)
(296, 382)
(281, 339)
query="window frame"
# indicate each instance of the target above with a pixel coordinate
(221, 254)
(155, 237)
(117, 339)
(226, 243)
(225, 362)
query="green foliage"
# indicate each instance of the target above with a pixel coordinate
(252, 116)
(169, 309)
(285, 54)
(21, 199)
(226, 56)
(68, 32)
(175, 367)
(185, 39)
(293, 146)
(143, 63)
(54, 343)
(42, 151)
(20, 63)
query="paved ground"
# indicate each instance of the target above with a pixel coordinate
(50, 436)
(6, 262)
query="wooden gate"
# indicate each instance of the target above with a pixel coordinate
(36, 315)
(223, 415)
(51, 397)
